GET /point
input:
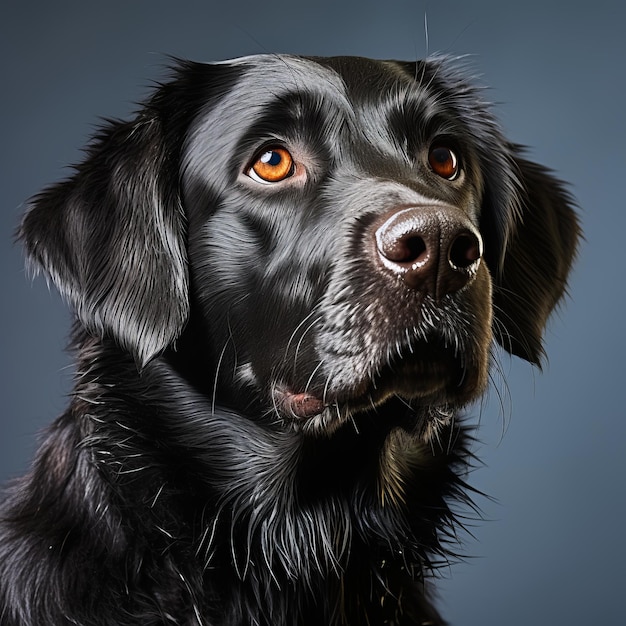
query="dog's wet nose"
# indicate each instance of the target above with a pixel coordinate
(435, 249)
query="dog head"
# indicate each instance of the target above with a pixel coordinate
(347, 233)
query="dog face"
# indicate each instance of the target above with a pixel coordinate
(335, 231)
(347, 234)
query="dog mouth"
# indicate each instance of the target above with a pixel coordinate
(426, 376)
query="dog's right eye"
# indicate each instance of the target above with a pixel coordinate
(443, 161)
(272, 166)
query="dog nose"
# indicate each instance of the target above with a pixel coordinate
(435, 249)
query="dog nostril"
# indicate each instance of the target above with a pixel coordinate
(407, 249)
(464, 251)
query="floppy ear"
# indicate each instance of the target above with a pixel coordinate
(535, 259)
(112, 239)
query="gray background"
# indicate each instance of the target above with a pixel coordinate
(552, 548)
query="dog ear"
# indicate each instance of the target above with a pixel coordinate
(535, 257)
(112, 238)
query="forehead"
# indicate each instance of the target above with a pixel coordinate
(243, 90)
(348, 84)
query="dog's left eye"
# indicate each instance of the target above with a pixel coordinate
(272, 166)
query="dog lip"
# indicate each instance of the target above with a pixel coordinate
(302, 405)
(410, 378)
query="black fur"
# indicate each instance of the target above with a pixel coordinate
(264, 425)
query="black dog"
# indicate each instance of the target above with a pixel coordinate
(287, 275)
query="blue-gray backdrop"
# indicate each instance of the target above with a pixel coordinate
(552, 549)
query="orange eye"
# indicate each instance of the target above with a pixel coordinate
(273, 166)
(443, 162)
